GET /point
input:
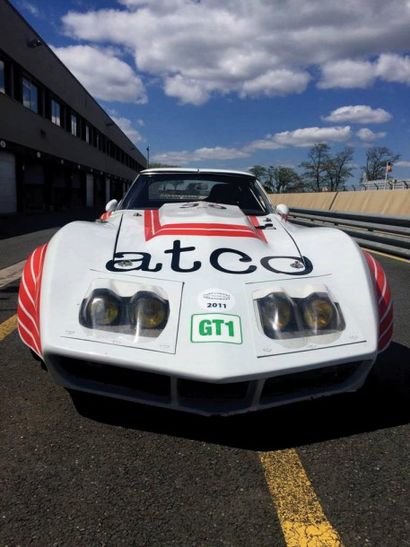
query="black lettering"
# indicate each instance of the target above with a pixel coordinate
(214, 260)
(307, 265)
(176, 254)
(138, 261)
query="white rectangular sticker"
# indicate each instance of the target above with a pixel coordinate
(216, 327)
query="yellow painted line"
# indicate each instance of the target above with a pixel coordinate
(399, 258)
(7, 327)
(300, 514)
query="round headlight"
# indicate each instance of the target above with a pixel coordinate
(276, 313)
(149, 311)
(318, 312)
(102, 309)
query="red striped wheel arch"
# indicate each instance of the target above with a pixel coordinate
(28, 307)
(384, 302)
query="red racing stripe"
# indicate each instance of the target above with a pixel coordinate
(28, 308)
(148, 225)
(153, 228)
(384, 302)
(385, 339)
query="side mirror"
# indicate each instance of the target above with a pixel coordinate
(282, 210)
(111, 205)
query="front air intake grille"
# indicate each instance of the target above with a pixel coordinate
(308, 382)
(145, 384)
(206, 397)
(217, 396)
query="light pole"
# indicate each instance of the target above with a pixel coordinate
(148, 156)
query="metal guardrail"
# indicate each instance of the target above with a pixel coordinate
(386, 184)
(388, 234)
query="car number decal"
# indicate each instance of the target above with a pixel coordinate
(216, 327)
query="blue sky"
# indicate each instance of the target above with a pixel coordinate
(241, 82)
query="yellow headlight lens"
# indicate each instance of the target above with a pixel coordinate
(103, 309)
(149, 311)
(318, 313)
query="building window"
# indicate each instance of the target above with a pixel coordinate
(74, 125)
(2, 78)
(87, 134)
(30, 95)
(55, 112)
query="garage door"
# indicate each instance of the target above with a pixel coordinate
(8, 201)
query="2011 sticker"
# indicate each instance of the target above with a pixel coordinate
(216, 327)
(216, 299)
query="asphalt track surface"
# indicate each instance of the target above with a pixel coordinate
(122, 474)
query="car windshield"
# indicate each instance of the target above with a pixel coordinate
(152, 190)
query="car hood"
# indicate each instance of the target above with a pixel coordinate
(202, 238)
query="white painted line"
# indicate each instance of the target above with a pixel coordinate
(10, 274)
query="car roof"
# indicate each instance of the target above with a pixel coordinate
(161, 170)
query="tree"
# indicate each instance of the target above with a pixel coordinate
(376, 160)
(338, 169)
(264, 175)
(276, 179)
(315, 166)
(323, 170)
(285, 178)
(259, 171)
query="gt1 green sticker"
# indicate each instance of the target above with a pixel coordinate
(216, 327)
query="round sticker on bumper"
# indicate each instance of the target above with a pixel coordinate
(216, 299)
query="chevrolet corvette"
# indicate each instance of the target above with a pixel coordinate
(195, 293)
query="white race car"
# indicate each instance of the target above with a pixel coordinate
(194, 293)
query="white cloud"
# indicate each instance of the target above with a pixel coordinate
(268, 143)
(393, 68)
(359, 113)
(186, 90)
(309, 136)
(126, 125)
(402, 164)
(198, 48)
(300, 138)
(367, 135)
(347, 74)
(276, 82)
(30, 7)
(219, 153)
(104, 75)
(200, 154)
